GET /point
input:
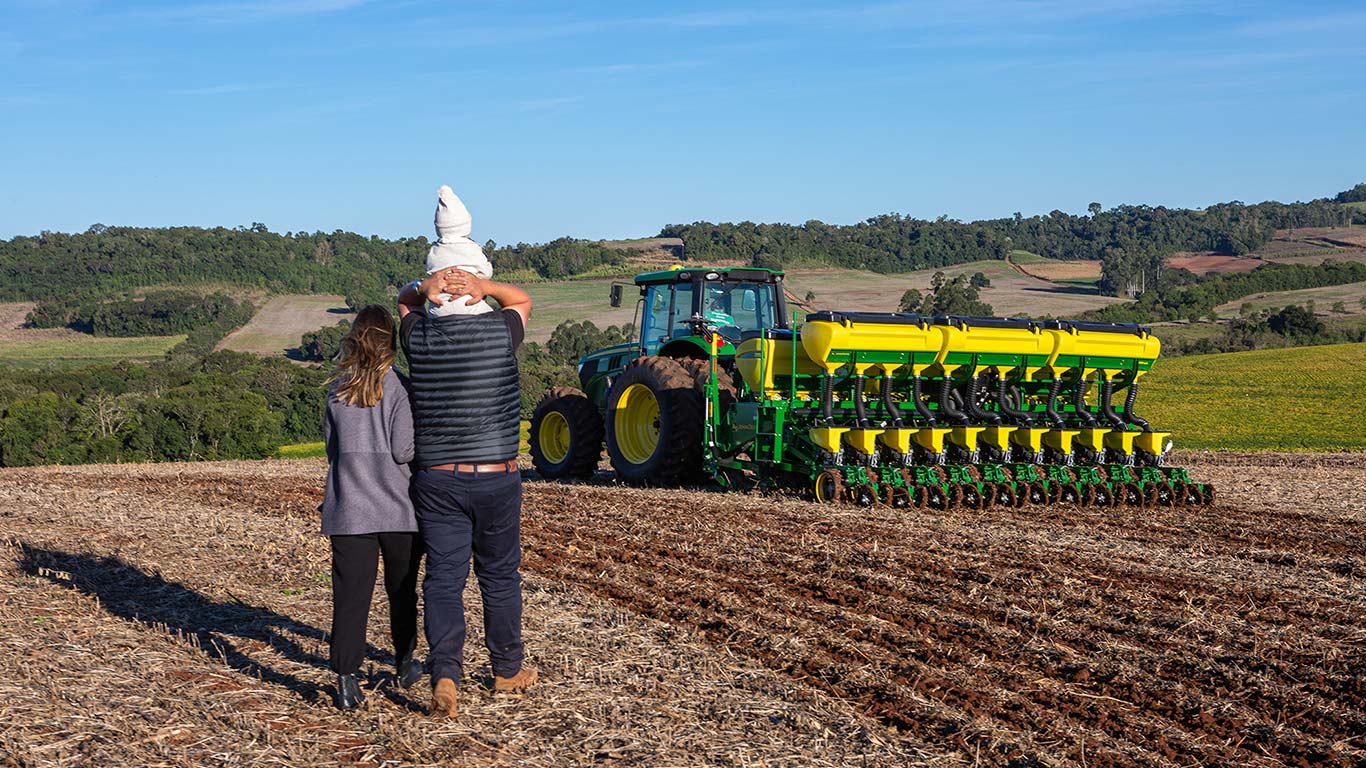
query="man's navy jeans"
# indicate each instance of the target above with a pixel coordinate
(460, 513)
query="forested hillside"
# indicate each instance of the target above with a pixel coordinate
(1129, 239)
(106, 259)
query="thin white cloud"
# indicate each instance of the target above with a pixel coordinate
(218, 13)
(1347, 22)
(217, 90)
(551, 102)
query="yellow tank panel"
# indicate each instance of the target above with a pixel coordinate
(1000, 341)
(932, 438)
(828, 438)
(898, 440)
(1029, 438)
(1092, 438)
(862, 440)
(1121, 441)
(771, 355)
(822, 337)
(1084, 343)
(997, 437)
(1155, 443)
(1060, 439)
(965, 437)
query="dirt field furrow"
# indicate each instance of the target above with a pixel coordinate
(811, 598)
(1227, 635)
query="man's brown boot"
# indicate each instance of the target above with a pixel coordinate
(524, 679)
(443, 698)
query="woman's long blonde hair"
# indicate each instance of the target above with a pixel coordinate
(367, 353)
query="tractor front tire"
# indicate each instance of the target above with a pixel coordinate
(654, 423)
(566, 435)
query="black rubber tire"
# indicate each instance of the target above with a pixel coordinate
(677, 457)
(585, 434)
(700, 370)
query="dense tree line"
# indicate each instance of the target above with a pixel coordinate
(159, 313)
(1181, 295)
(894, 243)
(1356, 194)
(115, 259)
(224, 405)
(365, 269)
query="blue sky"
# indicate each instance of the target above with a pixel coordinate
(604, 120)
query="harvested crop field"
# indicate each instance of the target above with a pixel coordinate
(175, 614)
(278, 326)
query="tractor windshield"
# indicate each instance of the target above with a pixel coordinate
(667, 308)
(738, 307)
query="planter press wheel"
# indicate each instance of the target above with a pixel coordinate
(969, 496)
(1189, 493)
(828, 486)
(1069, 493)
(1208, 495)
(1035, 493)
(1132, 495)
(1006, 495)
(1160, 494)
(1101, 495)
(1086, 495)
(898, 497)
(936, 496)
(863, 495)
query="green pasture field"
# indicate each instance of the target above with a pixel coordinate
(1301, 399)
(79, 349)
(302, 451)
(553, 303)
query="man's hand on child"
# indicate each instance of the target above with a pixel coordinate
(459, 282)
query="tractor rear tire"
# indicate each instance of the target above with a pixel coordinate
(566, 435)
(654, 423)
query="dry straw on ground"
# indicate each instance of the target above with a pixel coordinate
(175, 615)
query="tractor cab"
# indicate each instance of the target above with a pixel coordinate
(675, 309)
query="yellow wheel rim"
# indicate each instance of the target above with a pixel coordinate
(637, 424)
(553, 437)
(825, 488)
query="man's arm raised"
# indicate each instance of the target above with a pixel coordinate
(508, 296)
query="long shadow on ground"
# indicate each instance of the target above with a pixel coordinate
(163, 605)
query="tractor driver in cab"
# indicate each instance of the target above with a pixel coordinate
(716, 309)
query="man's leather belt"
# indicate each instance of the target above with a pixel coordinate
(495, 468)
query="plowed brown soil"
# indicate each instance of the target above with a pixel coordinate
(1224, 635)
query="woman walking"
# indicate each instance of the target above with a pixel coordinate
(366, 509)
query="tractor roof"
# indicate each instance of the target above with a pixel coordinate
(681, 274)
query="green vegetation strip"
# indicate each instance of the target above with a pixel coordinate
(318, 450)
(302, 451)
(69, 352)
(1305, 399)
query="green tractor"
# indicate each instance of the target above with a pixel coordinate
(862, 407)
(654, 387)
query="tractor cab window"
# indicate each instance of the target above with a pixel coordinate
(666, 308)
(737, 307)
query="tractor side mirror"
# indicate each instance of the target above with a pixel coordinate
(615, 294)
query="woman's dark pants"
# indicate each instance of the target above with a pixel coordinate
(461, 514)
(354, 563)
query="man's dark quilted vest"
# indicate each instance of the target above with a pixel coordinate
(466, 402)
